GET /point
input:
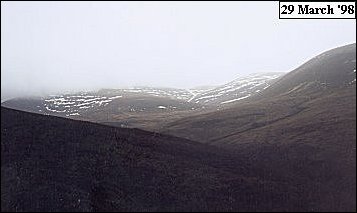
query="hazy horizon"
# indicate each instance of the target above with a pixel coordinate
(49, 47)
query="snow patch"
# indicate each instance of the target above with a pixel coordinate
(115, 97)
(237, 99)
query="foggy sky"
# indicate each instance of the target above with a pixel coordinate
(47, 47)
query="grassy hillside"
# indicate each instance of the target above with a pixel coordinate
(56, 164)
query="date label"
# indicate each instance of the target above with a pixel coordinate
(317, 10)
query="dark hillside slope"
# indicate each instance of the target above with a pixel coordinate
(55, 164)
(316, 144)
(303, 127)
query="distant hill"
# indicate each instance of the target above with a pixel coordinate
(318, 85)
(236, 90)
(109, 104)
(335, 68)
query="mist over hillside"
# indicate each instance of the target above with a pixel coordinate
(54, 48)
